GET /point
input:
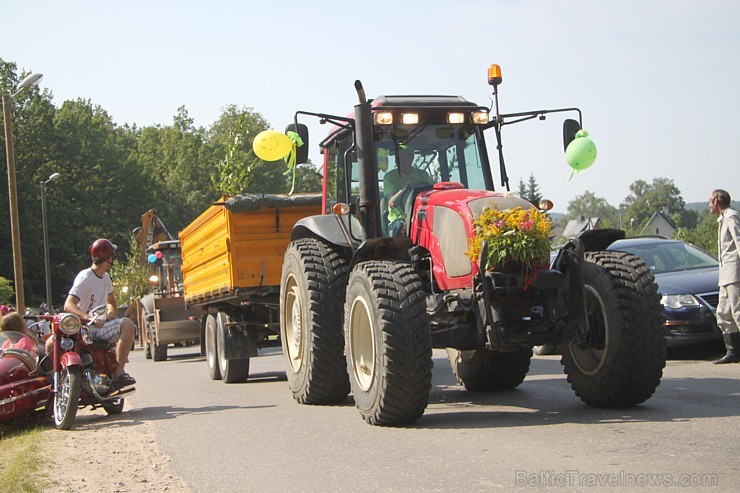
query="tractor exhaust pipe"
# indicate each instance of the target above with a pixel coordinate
(369, 209)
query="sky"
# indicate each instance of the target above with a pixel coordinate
(656, 80)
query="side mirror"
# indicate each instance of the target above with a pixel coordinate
(301, 151)
(570, 128)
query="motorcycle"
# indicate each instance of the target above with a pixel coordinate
(23, 386)
(82, 370)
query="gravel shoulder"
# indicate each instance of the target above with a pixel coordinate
(107, 453)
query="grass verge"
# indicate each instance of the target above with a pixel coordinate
(21, 461)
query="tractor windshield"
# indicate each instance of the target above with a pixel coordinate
(438, 153)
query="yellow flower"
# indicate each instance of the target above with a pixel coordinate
(513, 235)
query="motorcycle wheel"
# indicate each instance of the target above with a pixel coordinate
(113, 407)
(67, 399)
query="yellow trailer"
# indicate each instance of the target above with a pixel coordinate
(232, 257)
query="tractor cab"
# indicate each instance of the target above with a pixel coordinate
(419, 142)
(165, 268)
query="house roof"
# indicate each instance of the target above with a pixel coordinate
(656, 217)
(576, 226)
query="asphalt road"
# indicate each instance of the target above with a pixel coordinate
(254, 437)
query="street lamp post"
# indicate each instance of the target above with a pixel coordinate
(15, 230)
(53, 177)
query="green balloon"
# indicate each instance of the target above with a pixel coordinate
(581, 152)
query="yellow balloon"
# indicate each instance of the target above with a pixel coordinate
(271, 145)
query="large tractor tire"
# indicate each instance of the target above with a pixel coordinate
(483, 370)
(232, 370)
(214, 370)
(623, 364)
(389, 343)
(311, 296)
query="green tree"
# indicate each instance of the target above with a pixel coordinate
(237, 168)
(704, 235)
(130, 278)
(104, 196)
(645, 199)
(177, 180)
(6, 290)
(530, 191)
(589, 205)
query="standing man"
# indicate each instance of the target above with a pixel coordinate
(728, 248)
(93, 287)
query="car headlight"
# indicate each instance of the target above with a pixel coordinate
(69, 323)
(676, 301)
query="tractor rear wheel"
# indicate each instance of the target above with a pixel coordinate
(311, 292)
(484, 370)
(388, 340)
(623, 362)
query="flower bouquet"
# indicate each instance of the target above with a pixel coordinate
(514, 236)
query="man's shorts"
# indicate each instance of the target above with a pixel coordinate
(110, 332)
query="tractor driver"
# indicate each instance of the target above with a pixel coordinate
(398, 183)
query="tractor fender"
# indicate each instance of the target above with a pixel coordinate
(70, 359)
(147, 303)
(599, 239)
(328, 228)
(396, 247)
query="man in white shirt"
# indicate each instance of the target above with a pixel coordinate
(93, 287)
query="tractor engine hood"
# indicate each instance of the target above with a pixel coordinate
(444, 226)
(471, 202)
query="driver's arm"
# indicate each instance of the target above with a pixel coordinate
(70, 306)
(394, 198)
(112, 307)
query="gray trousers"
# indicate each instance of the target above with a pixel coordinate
(728, 308)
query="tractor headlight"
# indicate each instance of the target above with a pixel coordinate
(480, 117)
(384, 118)
(69, 323)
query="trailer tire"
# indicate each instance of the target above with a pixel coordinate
(232, 370)
(484, 370)
(389, 343)
(624, 365)
(147, 340)
(159, 351)
(211, 347)
(311, 292)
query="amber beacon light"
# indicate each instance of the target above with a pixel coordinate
(494, 75)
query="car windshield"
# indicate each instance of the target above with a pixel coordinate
(671, 256)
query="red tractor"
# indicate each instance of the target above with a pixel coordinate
(371, 286)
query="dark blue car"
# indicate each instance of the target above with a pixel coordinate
(687, 281)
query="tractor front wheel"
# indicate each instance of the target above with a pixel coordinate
(311, 294)
(388, 340)
(622, 362)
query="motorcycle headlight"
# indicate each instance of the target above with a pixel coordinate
(677, 301)
(69, 323)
